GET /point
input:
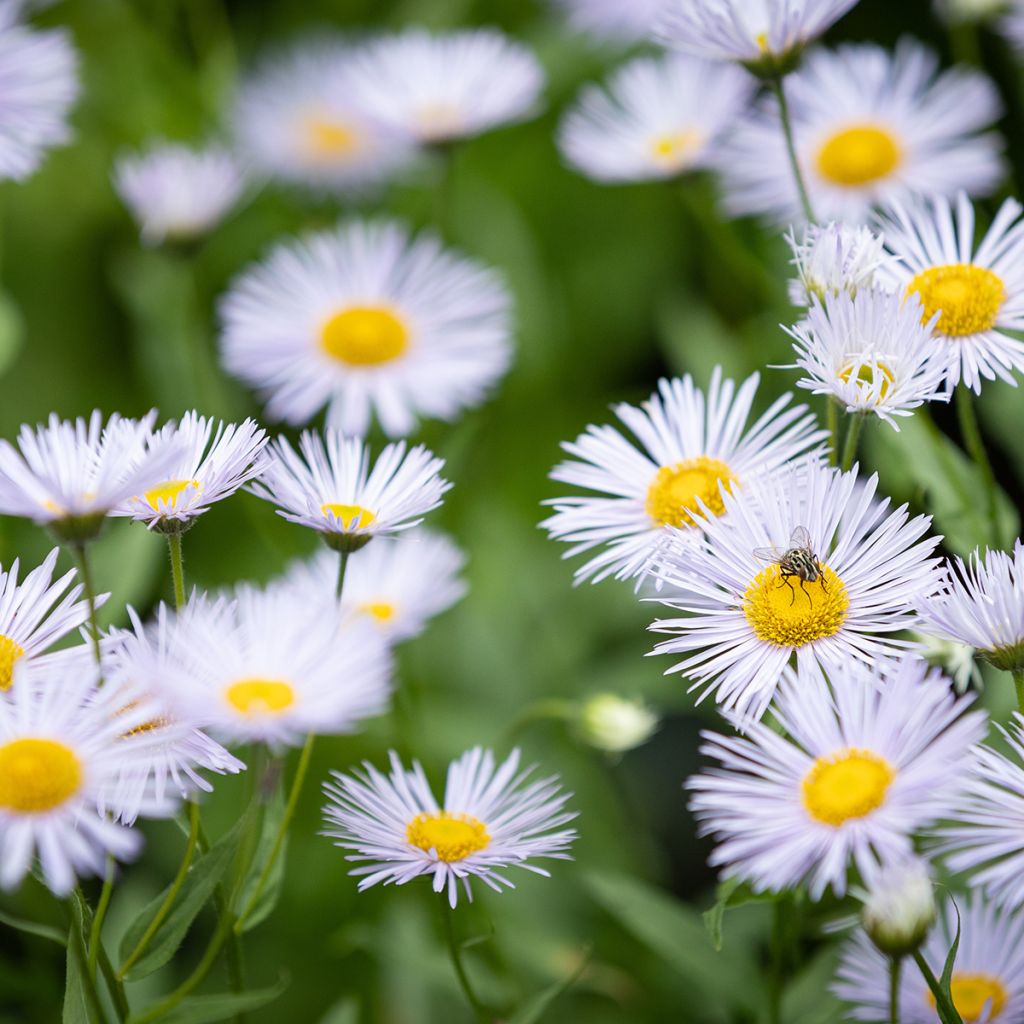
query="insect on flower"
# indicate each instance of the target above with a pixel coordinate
(797, 560)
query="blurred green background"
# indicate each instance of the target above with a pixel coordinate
(614, 287)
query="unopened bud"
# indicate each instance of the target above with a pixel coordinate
(899, 908)
(615, 724)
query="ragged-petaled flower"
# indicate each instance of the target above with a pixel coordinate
(613, 21)
(832, 259)
(492, 817)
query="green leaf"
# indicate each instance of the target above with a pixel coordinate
(206, 1009)
(12, 331)
(731, 893)
(940, 988)
(272, 817)
(44, 931)
(344, 1012)
(676, 933)
(533, 1008)
(75, 1009)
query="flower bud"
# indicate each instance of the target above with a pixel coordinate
(899, 907)
(615, 724)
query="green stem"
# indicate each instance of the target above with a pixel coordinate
(342, 568)
(895, 967)
(76, 948)
(282, 832)
(168, 901)
(833, 429)
(794, 162)
(539, 711)
(85, 573)
(1018, 683)
(942, 1001)
(480, 1011)
(852, 438)
(975, 445)
(236, 967)
(177, 569)
(964, 44)
(115, 987)
(96, 931)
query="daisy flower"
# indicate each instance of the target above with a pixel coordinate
(749, 609)
(988, 974)
(765, 35)
(873, 354)
(614, 21)
(177, 193)
(213, 461)
(658, 117)
(268, 666)
(295, 121)
(330, 486)
(136, 661)
(870, 128)
(38, 83)
(435, 88)
(832, 259)
(399, 586)
(979, 290)
(70, 474)
(367, 321)
(859, 769)
(61, 746)
(693, 449)
(492, 818)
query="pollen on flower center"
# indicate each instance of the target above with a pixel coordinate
(352, 517)
(260, 696)
(968, 296)
(672, 148)
(382, 611)
(10, 652)
(452, 837)
(973, 993)
(168, 492)
(859, 155)
(365, 336)
(790, 612)
(672, 496)
(37, 775)
(876, 377)
(326, 139)
(845, 785)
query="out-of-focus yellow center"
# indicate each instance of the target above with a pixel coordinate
(875, 376)
(365, 336)
(382, 611)
(37, 775)
(790, 611)
(845, 785)
(452, 836)
(969, 297)
(168, 492)
(672, 496)
(975, 993)
(259, 697)
(351, 516)
(10, 652)
(328, 140)
(859, 155)
(673, 149)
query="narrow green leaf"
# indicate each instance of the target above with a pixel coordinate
(75, 1010)
(947, 1008)
(44, 931)
(272, 817)
(731, 893)
(533, 1008)
(207, 1009)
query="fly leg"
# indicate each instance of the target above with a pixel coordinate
(792, 591)
(803, 587)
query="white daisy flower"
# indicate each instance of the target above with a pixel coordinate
(491, 818)
(295, 121)
(61, 746)
(778, 577)
(874, 354)
(398, 586)
(367, 321)
(693, 448)
(70, 474)
(38, 83)
(858, 770)
(264, 666)
(136, 661)
(614, 21)
(659, 117)
(435, 88)
(176, 193)
(213, 461)
(330, 486)
(988, 974)
(834, 258)
(763, 34)
(870, 128)
(979, 290)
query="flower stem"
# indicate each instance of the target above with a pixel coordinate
(455, 953)
(895, 967)
(85, 573)
(165, 907)
(787, 129)
(852, 439)
(833, 429)
(975, 445)
(282, 832)
(96, 931)
(342, 567)
(177, 569)
(76, 948)
(1018, 683)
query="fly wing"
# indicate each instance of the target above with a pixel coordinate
(772, 554)
(801, 539)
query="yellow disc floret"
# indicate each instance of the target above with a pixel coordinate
(453, 837)
(859, 155)
(326, 139)
(258, 697)
(382, 611)
(790, 612)
(975, 994)
(37, 775)
(673, 149)
(365, 336)
(846, 785)
(350, 516)
(673, 494)
(168, 492)
(10, 652)
(968, 297)
(877, 377)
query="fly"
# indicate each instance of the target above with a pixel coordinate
(797, 560)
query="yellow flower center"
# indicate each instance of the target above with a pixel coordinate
(436, 120)
(672, 497)
(37, 775)
(871, 375)
(353, 517)
(974, 993)
(364, 336)
(10, 652)
(452, 836)
(168, 492)
(859, 155)
(382, 611)
(672, 149)
(969, 297)
(329, 140)
(845, 785)
(254, 697)
(790, 612)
